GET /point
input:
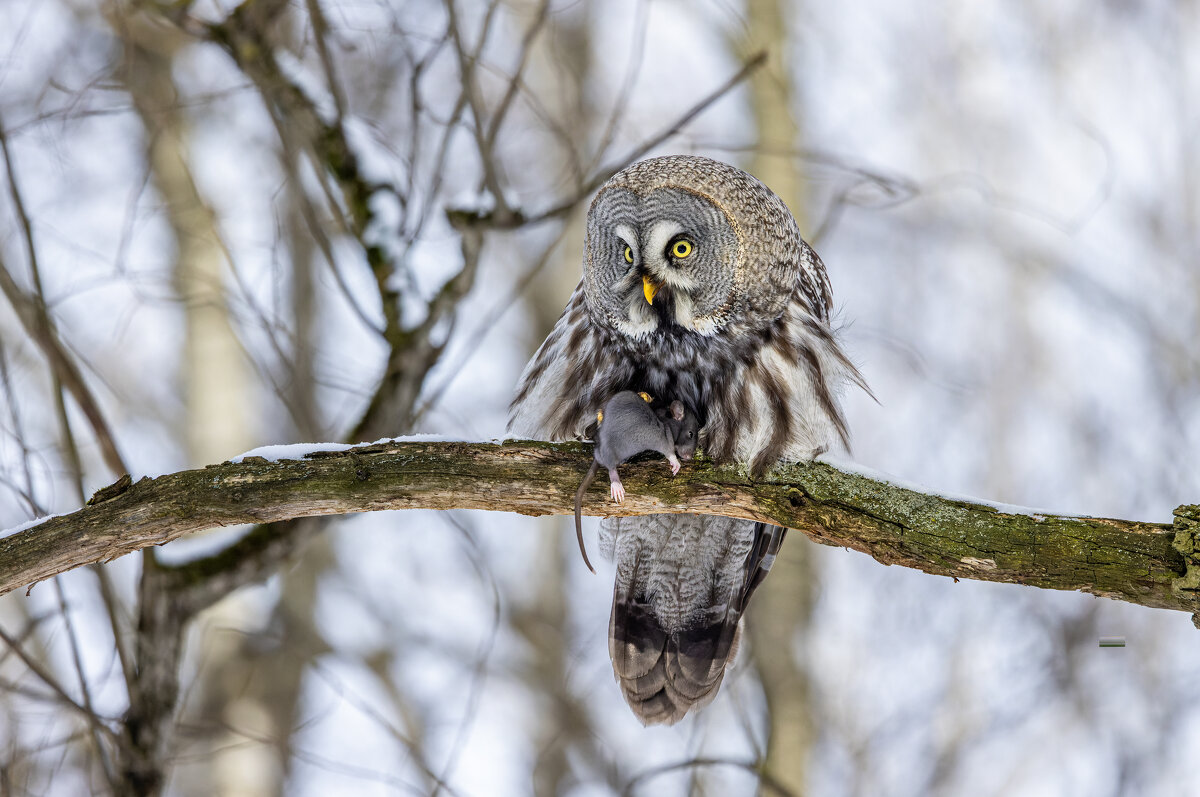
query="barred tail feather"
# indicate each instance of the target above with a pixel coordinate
(665, 667)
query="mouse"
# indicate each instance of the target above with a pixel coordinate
(628, 426)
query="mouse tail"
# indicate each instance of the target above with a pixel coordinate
(587, 482)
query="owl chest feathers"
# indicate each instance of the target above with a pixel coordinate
(761, 395)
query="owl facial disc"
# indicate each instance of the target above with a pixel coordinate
(668, 257)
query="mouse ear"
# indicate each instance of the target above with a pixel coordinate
(677, 410)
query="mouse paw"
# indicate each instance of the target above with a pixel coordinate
(618, 491)
(674, 464)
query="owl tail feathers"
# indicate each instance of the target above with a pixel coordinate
(665, 675)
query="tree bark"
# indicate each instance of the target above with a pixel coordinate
(1151, 564)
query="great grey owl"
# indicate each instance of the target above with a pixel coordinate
(696, 286)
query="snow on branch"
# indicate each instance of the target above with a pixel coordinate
(1150, 564)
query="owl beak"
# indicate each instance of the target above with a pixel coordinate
(649, 289)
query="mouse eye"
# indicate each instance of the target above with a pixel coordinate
(691, 435)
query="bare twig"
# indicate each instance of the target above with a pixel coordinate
(46, 677)
(510, 93)
(601, 177)
(40, 327)
(85, 691)
(466, 63)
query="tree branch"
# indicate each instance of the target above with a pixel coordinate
(1149, 564)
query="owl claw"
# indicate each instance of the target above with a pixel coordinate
(674, 464)
(618, 491)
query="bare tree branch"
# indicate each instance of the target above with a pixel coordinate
(39, 325)
(1150, 564)
(490, 219)
(47, 677)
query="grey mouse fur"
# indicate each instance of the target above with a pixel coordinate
(629, 427)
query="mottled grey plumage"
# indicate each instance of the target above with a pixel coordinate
(682, 584)
(739, 331)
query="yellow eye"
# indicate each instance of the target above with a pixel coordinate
(628, 255)
(681, 248)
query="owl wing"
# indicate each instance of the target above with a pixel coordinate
(537, 403)
(570, 376)
(813, 288)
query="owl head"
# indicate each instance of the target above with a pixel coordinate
(688, 242)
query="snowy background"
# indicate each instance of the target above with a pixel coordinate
(1007, 197)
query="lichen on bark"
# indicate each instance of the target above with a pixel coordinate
(1151, 564)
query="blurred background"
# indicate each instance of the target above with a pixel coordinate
(225, 225)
